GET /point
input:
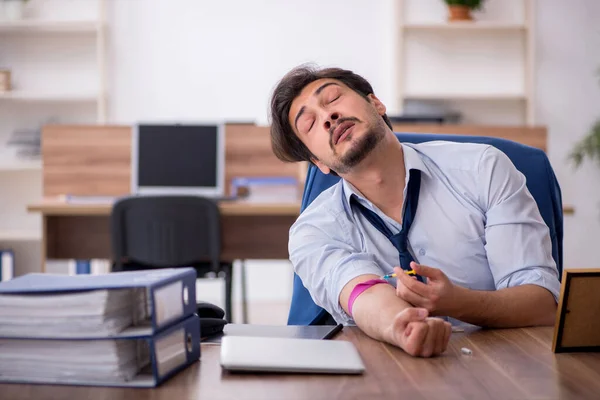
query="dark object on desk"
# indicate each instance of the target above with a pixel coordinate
(169, 231)
(577, 327)
(331, 334)
(276, 331)
(211, 319)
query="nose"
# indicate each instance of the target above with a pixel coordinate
(329, 122)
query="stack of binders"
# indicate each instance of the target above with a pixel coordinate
(132, 329)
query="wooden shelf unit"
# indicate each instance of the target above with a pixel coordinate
(455, 32)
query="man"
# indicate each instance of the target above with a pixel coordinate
(476, 241)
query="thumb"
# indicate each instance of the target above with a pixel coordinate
(411, 314)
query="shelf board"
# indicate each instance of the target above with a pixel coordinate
(19, 235)
(31, 96)
(465, 26)
(465, 96)
(50, 26)
(8, 164)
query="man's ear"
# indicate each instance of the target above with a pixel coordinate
(324, 168)
(379, 106)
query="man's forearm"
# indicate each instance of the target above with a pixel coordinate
(383, 316)
(526, 305)
(375, 308)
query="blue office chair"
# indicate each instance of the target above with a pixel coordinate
(532, 162)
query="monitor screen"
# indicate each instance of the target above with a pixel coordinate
(178, 159)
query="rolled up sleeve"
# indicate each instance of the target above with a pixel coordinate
(325, 259)
(518, 242)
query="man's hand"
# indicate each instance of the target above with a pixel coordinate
(439, 296)
(418, 335)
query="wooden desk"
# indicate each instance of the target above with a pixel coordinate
(505, 364)
(82, 231)
(249, 231)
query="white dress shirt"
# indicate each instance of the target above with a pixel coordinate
(476, 221)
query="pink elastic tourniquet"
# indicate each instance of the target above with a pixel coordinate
(361, 287)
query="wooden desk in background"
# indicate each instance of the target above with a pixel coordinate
(504, 364)
(82, 231)
(249, 231)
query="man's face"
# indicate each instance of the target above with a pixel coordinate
(338, 125)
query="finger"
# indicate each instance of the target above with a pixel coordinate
(413, 284)
(438, 329)
(430, 341)
(411, 314)
(447, 335)
(441, 335)
(411, 297)
(414, 343)
(429, 272)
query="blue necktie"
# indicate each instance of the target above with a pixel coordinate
(399, 240)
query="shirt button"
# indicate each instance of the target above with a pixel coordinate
(422, 252)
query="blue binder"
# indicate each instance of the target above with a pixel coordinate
(169, 351)
(171, 292)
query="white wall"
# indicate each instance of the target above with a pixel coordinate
(193, 59)
(568, 102)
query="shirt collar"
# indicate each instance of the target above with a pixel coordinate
(412, 160)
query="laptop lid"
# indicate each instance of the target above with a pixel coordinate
(242, 353)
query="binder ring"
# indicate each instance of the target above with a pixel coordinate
(188, 342)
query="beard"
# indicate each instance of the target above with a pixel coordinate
(359, 150)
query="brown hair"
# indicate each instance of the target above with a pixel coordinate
(286, 145)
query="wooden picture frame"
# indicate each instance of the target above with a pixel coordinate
(577, 326)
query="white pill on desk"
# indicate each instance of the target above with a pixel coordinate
(466, 351)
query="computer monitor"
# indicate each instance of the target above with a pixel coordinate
(169, 159)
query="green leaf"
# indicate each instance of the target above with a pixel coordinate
(472, 4)
(588, 147)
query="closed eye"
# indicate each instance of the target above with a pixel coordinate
(307, 125)
(338, 96)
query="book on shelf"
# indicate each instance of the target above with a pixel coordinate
(7, 265)
(120, 329)
(93, 266)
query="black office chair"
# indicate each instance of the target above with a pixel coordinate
(169, 231)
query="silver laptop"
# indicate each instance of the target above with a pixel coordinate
(243, 353)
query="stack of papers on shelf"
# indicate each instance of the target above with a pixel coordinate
(274, 189)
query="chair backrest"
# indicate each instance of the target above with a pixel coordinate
(165, 231)
(532, 162)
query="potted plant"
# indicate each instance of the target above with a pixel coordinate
(460, 10)
(589, 146)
